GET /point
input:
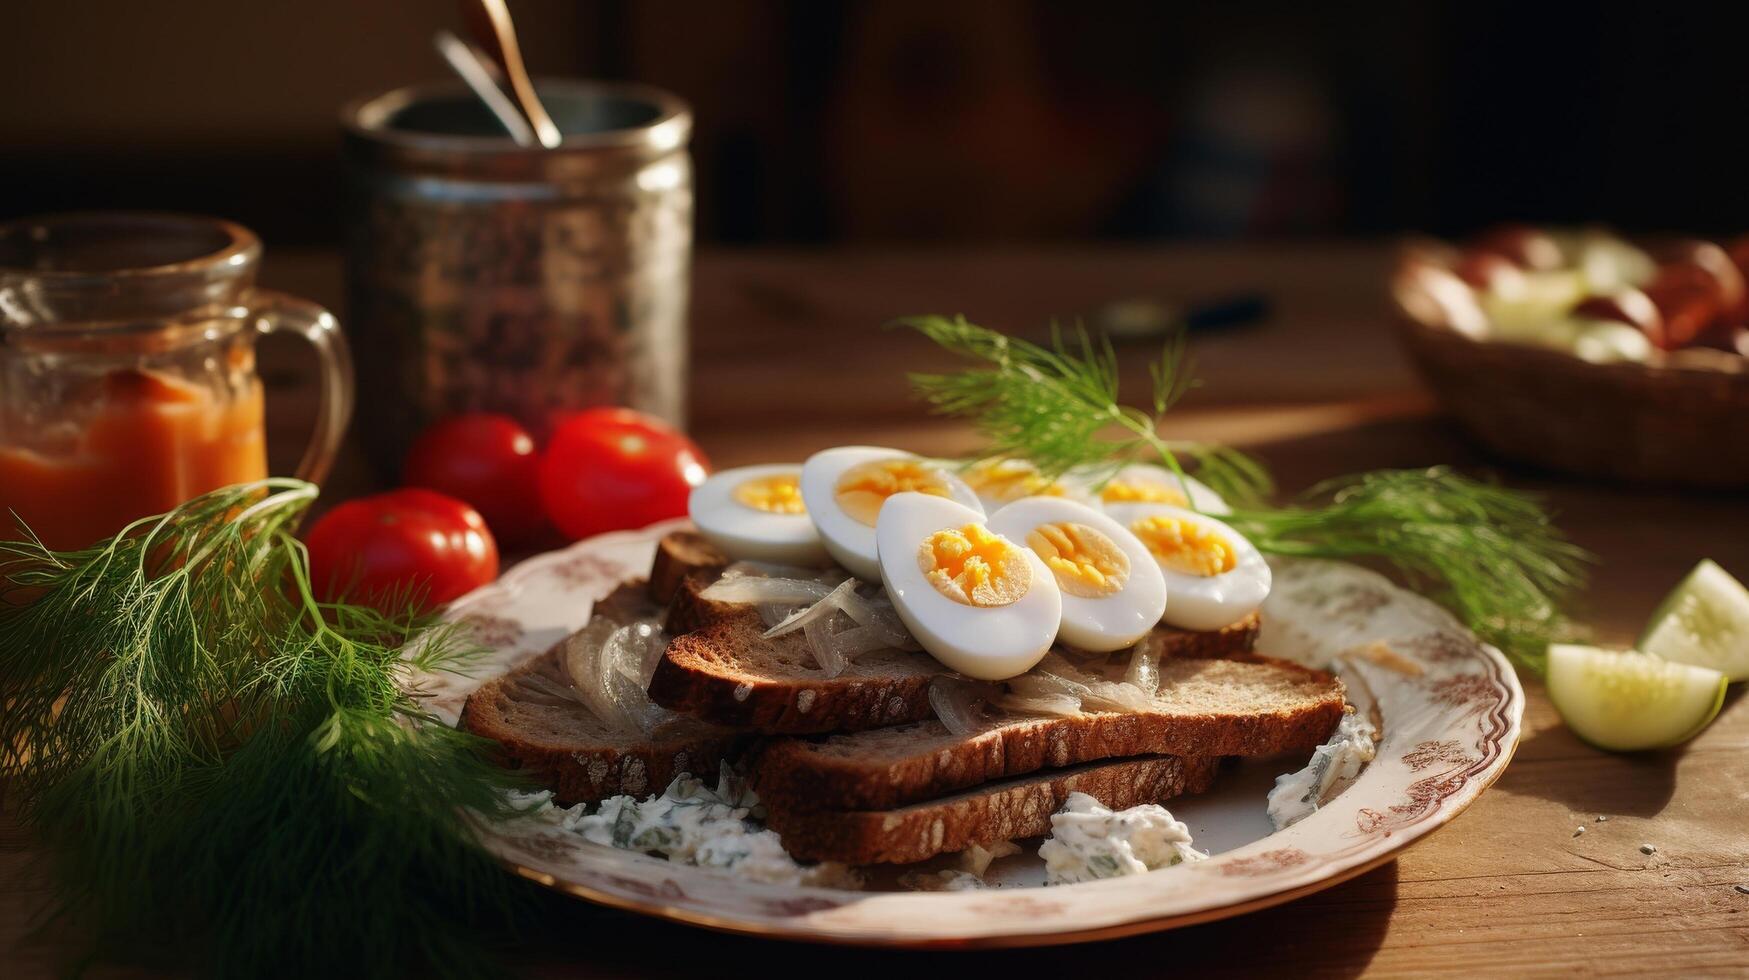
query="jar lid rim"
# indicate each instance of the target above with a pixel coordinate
(366, 118)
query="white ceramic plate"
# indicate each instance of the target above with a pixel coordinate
(1449, 708)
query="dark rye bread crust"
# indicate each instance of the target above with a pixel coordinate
(566, 750)
(679, 554)
(1004, 811)
(718, 667)
(1207, 707)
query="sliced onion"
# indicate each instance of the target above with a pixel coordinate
(583, 647)
(1116, 696)
(772, 569)
(756, 582)
(812, 604)
(874, 611)
(877, 611)
(1066, 705)
(1143, 672)
(858, 640)
(614, 693)
(1041, 683)
(541, 689)
(759, 589)
(1101, 693)
(641, 653)
(960, 703)
(818, 612)
(1055, 682)
(819, 639)
(773, 613)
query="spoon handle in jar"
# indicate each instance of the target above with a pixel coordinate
(476, 69)
(490, 23)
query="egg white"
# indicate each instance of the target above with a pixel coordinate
(1096, 623)
(750, 534)
(1206, 602)
(989, 644)
(1202, 497)
(993, 499)
(850, 542)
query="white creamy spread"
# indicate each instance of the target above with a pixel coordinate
(1089, 841)
(692, 824)
(1297, 795)
(974, 863)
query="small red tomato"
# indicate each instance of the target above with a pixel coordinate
(391, 549)
(608, 469)
(487, 460)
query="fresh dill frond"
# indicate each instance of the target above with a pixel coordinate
(1492, 555)
(1058, 406)
(228, 772)
(1239, 478)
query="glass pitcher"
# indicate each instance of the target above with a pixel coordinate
(127, 369)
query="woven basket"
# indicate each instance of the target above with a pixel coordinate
(1683, 420)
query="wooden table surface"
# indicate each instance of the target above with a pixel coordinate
(789, 356)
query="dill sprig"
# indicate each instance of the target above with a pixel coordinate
(229, 773)
(1058, 406)
(1490, 554)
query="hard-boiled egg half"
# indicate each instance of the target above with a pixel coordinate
(1145, 483)
(1113, 592)
(1214, 577)
(844, 489)
(755, 513)
(1003, 480)
(980, 603)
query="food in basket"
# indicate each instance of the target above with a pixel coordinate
(1589, 292)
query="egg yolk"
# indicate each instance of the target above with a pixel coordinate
(974, 567)
(1085, 562)
(1186, 546)
(1131, 491)
(1011, 479)
(777, 494)
(863, 489)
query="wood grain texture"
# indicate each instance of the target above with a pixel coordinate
(788, 358)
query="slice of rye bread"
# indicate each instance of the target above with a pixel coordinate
(1206, 707)
(719, 667)
(679, 554)
(567, 749)
(1003, 811)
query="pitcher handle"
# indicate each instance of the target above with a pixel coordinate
(276, 312)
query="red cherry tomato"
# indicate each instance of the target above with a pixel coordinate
(608, 469)
(403, 545)
(490, 462)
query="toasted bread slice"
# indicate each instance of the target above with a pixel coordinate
(719, 667)
(729, 674)
(679, 554)
(1003, 811)
(571, 752)
(1206, 707)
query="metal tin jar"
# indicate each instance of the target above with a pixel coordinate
(486, 276)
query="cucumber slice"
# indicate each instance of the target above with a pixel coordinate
(1703, 621)
(1629, 700)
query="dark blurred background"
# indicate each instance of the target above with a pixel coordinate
(933, 120)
